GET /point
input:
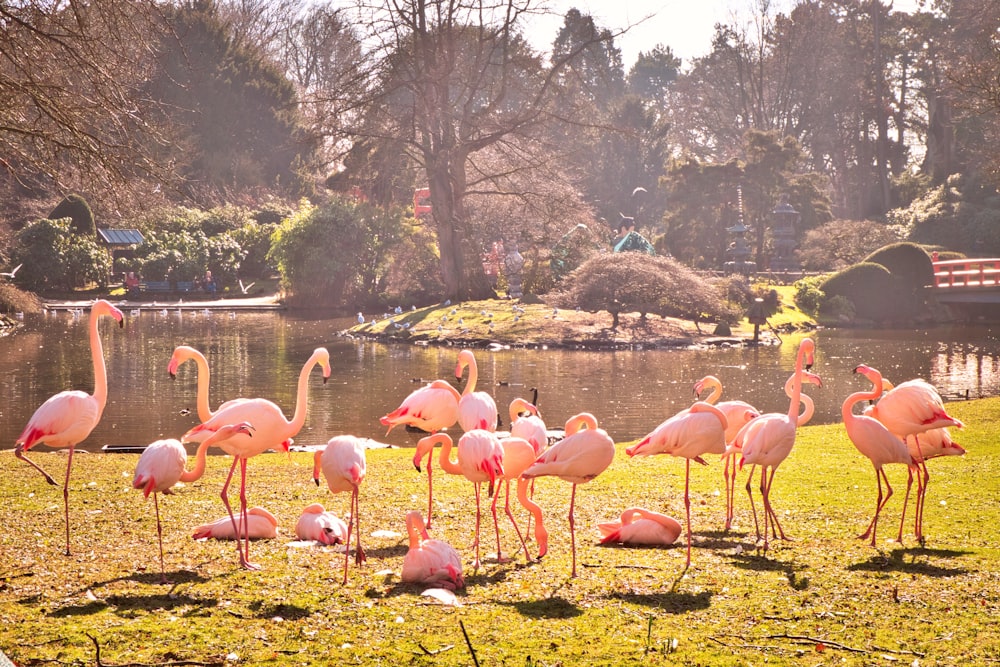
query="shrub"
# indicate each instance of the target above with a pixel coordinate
(874, 293)
(907, 262)
(841, 243)
(52, 256)
(14, 300)
(636, 282)
(808, 295)
(78, 210)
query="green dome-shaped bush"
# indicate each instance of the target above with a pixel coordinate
(78, 210)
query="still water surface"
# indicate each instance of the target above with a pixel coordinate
(261, 354)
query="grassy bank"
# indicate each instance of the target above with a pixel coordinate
(824, 598)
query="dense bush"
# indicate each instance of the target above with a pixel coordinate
(54, 257)
(874, 293)
(635, 282)
(808, 294)
(841, 243)
(907, 262)
(78, 210)
(14, 300)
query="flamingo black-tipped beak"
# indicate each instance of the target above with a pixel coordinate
(316, 479)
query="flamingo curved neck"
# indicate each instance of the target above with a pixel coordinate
(517, 406)
(444, 458)
(716, 387)
(580, 421)
(808, 407)
(302, 395)
(415, 529)
(469, 361)
(199, 463)
(793, 406)
(204, 409)
(97, 355)
(847, 410)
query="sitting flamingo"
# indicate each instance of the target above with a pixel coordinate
(430, 561)
(318, 525)
(641, 526)
(260, 525)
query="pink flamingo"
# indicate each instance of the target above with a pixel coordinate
(67, 418)
(690, 434)
(321, 526)
(480, 459)
(343, 464)
(260, 525)
(736, 445)
(162, 465)
(737, 414)
(476, 409)
(273, 431)
(875, 441)
(184, 353)
(909, 409)
(526, 422)
(430, 408)
(641, 526)
(922, 446)
(430, 561)
(518, 455)
(582, 455)
(768, 439)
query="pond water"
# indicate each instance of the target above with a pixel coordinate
(261, 354)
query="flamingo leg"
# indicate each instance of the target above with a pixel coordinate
(229, 509)
(245, 561)
(430, 489)
(687, 509)
(922, 493)
(359, 554)
(541, 534)
(347, 542)
(770, 509)
(159, 534)
(510, 515)
(19, 453)
(572, 530)
(753, 508)
(476, 563)
(880, 477)
(763, 496)
(496, 523)
(906, 498)
(69, 466)
(730, 489)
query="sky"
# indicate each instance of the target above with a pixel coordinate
(686, 26)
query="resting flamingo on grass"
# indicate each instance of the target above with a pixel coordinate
(874, 440)
(581, 456)
(318, 525)
(260, 525)
(768, 440)
(690, 434)
(431, 408)
(640, 526)
(430, 561)
(273, 431)
(162, 465)
(344, 466)
(67, 418)
(476, 409)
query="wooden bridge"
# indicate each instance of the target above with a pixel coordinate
(967, 281)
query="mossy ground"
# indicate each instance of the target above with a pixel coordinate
(825, 598)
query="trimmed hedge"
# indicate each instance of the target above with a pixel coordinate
(906, 261)
(875, 293)
(78, 210)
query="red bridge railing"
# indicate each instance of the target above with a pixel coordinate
(967, 273)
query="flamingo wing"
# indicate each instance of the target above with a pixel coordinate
(65, 419)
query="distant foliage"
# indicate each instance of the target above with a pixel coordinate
(54, 257)
(14, 300)
(808, 294)
(635, 282)
(78, 210)
(958, 214)
(838, 244)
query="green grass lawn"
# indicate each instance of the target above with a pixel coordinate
(825, 598)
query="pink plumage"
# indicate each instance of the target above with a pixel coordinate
(321, 526)
(525, 422)
(430, 408)
(260, 525)
(430, 561)
(476, 409)
(344, 466)
(640, 526)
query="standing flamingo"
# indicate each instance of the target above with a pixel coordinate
(518, 455)
(273, 431)
(582, 455)
(768, 439)
(430, 408)
(321, 526)
(343, 464)
(911, 408)
(641, 526)
(162, 464)
(875, 441)
(525, 422)
(480, 459)
(735, 447)
(430, 561)
(922, 446)
(184, 353)
(476, 409)
(691, 433)
(67, 418)
(737, 414)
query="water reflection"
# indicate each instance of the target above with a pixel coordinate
(261, 354)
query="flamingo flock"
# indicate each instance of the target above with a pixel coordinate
(905, 423)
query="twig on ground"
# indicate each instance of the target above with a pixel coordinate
(468, 643)
(436, 651)
(170, 663)
(816, 641)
